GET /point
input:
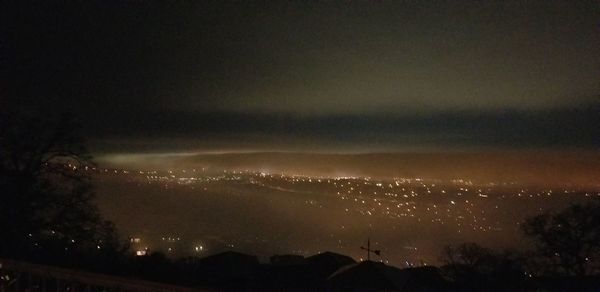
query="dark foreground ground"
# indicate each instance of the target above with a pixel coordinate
(233, 271)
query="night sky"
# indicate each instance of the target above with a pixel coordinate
(329, 76)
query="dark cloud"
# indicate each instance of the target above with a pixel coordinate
(254, 74)
(459, 130)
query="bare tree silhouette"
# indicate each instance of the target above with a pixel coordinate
(476, 268)
(46, 194)
(568, 242)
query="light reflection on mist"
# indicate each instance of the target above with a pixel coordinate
(265, 214)
(551, 168)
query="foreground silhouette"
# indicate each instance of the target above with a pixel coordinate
(565, 256)
(567, 243)
(234, 271)
(47, 212)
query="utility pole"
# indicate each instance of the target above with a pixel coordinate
(369, 250)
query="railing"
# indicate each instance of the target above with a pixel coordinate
(22, 276)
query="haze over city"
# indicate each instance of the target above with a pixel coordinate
(298, 127)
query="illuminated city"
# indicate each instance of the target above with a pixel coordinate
(410, 219)
(388, 145)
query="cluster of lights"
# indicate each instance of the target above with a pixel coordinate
(460, 205)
